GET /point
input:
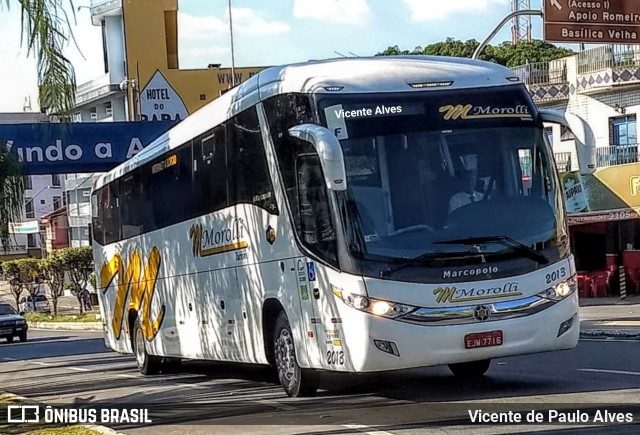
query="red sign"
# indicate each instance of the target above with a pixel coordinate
(592, 21)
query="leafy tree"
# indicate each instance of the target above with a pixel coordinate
(78, 262)
(53, 268)
(395, 51)
(505, 54)
(528, 52)
(23, 274)
(46, 32)
(30, 273)
(93, 280)
(12, 275)
(452, 47)
(11, 193)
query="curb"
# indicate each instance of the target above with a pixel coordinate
(67, 326)
(100, 429)
(612, 332)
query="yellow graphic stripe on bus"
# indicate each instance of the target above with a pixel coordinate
(225, 248)
(141, 287)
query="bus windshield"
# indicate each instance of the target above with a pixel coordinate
(425, 174)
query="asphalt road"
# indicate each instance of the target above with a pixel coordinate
(67, 368)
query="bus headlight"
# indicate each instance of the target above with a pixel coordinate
(560, 290)
(377, 307)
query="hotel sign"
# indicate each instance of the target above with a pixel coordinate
(592, 21)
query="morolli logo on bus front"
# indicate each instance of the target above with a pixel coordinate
(211, 241)
(469, 111)
(453, 294)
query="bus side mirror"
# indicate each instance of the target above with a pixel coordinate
(329, 151)
(584, 138)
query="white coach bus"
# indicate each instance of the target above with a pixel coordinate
(350, 215)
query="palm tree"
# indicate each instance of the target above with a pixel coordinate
(46, 31)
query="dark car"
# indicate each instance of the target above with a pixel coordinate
(12, 324)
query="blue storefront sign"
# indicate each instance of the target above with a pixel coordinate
(55, 148)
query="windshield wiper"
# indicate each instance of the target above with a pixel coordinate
(503, 240)
(422, 257)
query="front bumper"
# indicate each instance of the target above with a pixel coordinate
(419, 345)
(13, 330)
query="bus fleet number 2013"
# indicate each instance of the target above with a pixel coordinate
(335, 357)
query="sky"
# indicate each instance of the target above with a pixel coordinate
(266, 33)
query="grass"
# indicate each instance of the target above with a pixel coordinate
(42, 317)
(36, 428)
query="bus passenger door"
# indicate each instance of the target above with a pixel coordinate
(318, 235)
(310, 321)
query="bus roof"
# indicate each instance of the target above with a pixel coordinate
(349, 75)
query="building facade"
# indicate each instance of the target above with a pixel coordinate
(142, 81)
(601, 85)
(43, 194)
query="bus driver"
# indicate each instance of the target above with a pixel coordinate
(469, 194)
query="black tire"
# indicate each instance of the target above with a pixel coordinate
(471, 369)
(171, 365)
(296, 381)
(23, 337)
(147, 364)
(10, 339)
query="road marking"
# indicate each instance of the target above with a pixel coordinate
(122, 375)
(611, 340)
(363, 428)
(8, 359)
(615, 372)
(40, 363)
(78, 369)
(277, 405)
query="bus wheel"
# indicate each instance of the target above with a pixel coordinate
(471, 369)
(296, 381)
(171, 365)
(147, 364)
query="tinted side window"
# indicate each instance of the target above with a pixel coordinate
(210, 171)
(250, 182)
(98, 204)
(284, 112)
(313, 199)
(129, 216)
(170, 176)
(299, 168)
(111, 222)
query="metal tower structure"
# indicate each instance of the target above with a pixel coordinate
(521, 28)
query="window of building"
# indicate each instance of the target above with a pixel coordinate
(31, 240)
(28, 183)
(566, 133)
(57, 202)
(55, 180)
(28, 207)
(622, 130)
(548, 132)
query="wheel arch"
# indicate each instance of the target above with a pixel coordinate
(271, 309)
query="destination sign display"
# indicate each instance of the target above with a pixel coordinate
(592, 21)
